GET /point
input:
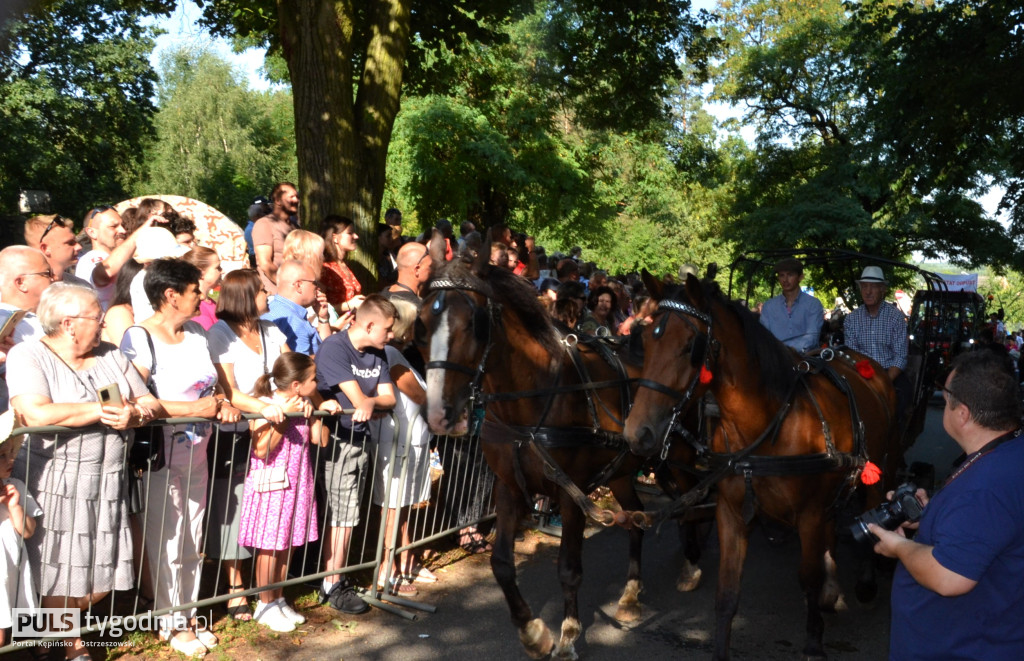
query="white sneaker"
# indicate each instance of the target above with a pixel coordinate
(272, 617)
(290, 612)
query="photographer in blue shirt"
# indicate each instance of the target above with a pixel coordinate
(958, 591)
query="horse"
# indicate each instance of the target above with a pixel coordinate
(553, 409)
(794, 435)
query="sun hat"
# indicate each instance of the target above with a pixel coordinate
(873, 274)
(156, 243)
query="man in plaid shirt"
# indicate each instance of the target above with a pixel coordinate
(878, 329)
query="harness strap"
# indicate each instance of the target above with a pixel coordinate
(581, 369)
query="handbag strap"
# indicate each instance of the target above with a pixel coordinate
(263, 343)
(152, 353)
(72, 370)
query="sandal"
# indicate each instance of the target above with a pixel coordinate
(421, 574)
(241, 612)
(399, 587)
(194, 649)
(474, 543)
(207, 638)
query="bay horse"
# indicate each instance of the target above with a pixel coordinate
(488, 336)
(795, 432)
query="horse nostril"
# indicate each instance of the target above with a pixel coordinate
(645, 441)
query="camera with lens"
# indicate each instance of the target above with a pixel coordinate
(889, 515)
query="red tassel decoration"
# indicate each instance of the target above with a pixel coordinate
(865, 369)
(871, 473)
(705, 375)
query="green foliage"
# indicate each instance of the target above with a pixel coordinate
(75, 90)
(217, 140)
(833, 167)
(507, 145)
(942, 84)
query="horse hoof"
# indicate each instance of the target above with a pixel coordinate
(567, 654)
(628, 612)
(689, 583)
(536, 639)
(834, 605)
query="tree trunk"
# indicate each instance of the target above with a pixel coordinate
(342, 137)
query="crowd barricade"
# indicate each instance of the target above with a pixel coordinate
(448, 490)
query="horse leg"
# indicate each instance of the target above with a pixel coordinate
(533, 633)
(570, 574)
(689, 576)
(732, 541)
(629, 603)
(831, 594)
(812, 578)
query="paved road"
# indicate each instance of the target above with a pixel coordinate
(472, 620)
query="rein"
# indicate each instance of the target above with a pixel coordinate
(537, 436)
(743, 462)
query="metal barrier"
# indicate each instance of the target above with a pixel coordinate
(185, 521)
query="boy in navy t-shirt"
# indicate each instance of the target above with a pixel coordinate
(351, 368)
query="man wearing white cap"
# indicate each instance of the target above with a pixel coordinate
(879, 330)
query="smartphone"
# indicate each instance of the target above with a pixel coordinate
(10, 320)
(110, 395)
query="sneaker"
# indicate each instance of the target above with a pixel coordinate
(290, 612)
(342, 597)
(272, 617)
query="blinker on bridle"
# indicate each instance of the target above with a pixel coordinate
(482, 320)
(700, 357)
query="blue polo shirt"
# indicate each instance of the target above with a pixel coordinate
(290, 317)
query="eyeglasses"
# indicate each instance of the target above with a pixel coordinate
(98, 210)
(315, 283)
(48, 273)
(57, 221)
(946, 392)
(98, 319)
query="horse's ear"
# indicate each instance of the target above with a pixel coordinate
(436, 248)
(695, 291)
(655, 287)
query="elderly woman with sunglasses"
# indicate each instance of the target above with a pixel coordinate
(82, 547)
(171, 350)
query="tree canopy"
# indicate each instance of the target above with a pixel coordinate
(216, 140)
(75, 101)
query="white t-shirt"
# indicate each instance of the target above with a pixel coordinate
(184, 373)
(228, 348)
(141, 308)
(87, 266)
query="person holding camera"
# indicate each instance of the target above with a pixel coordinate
(958, 592)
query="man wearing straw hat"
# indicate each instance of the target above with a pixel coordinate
(878, 329)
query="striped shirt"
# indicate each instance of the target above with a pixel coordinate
(883, 337)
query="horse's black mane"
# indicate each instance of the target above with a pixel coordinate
(771, 359)
(514, 293)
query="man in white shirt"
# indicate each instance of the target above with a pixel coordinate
(111, 248)
(24, 274)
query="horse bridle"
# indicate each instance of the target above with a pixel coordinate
(702, 354)
(480, 316)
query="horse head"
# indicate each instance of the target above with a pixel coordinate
(677, 356)
(454, 331)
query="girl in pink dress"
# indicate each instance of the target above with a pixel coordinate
(278, 506)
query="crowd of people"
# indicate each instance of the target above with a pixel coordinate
(144, 325)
